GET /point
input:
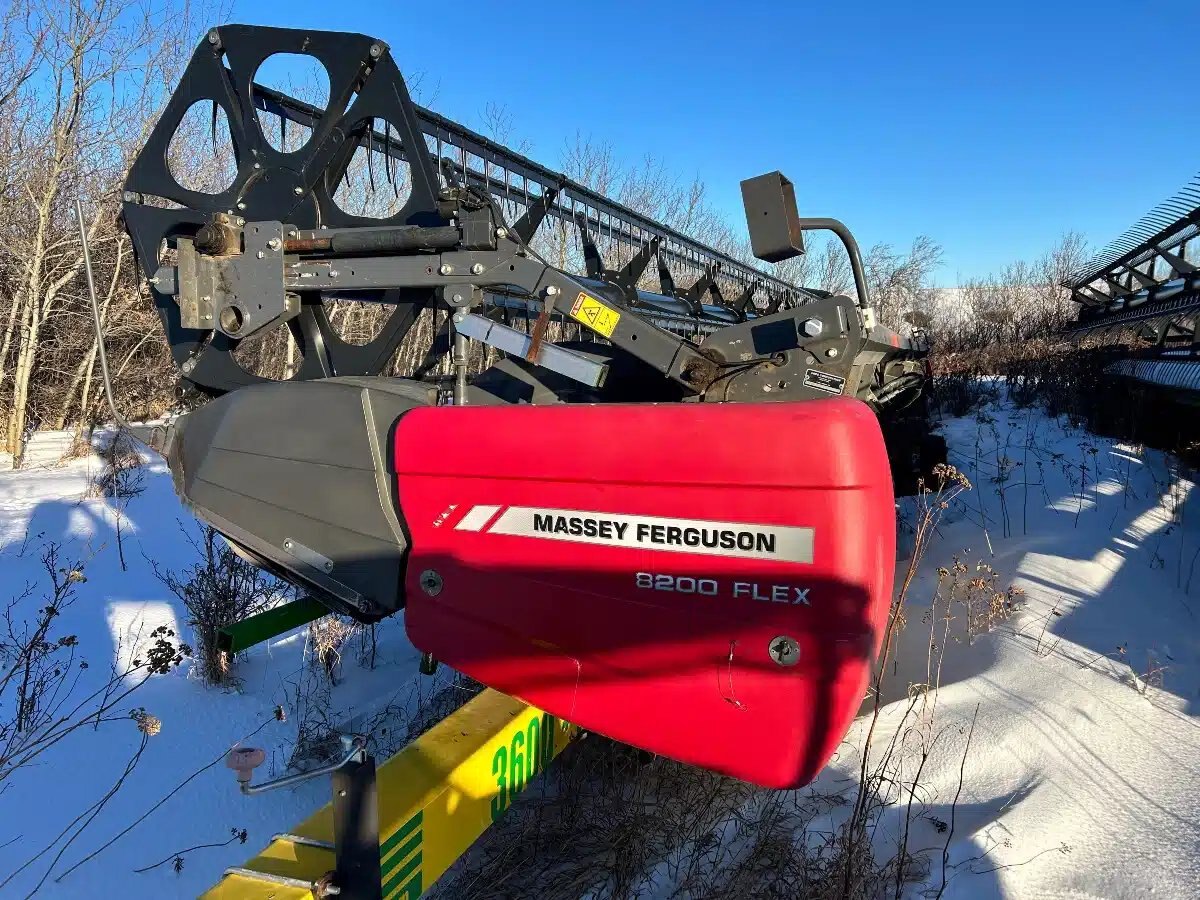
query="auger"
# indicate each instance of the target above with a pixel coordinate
(665, 514)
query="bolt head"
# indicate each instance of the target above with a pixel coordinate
(431, 582)
(213, 37)
(241, 205)
(477, 269)
(446, 269)
(376, 51)
(811, 327)
(298, 191)
(501, 232)
(832, 352)
(333, 273)
(551, 290)
(784, 650)
(240, 220)
(274, 243)
(260, 254)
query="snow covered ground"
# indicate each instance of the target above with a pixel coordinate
(1082, 777)
(113, 616)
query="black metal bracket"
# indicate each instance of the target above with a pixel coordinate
(356, 830)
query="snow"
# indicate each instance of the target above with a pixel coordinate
(112, 618)
(1082, 777)
(1080, 781)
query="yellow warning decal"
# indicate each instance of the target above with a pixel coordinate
(595, 315)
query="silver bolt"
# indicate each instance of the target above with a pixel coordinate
(446, 269)
(431, 582)
(292, 233)
(811, 327)
(477, 269)
(298, 191)
(832, 352)
(274, 243)
(213, 37)
(376, 51)
(460, 317)
(784, 650)
(240, 220)
(241, 205)
(260, 254)
(129, 196)
(457, 299)
(551, 290)
(501, 232)
(328, 566)
(188, 365)
(287, 545)
(258, 165)
(333, 273)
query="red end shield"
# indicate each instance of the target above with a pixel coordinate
(705, 581)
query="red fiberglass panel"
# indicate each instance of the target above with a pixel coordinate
(705, 581)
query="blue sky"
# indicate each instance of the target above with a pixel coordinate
(992, 128)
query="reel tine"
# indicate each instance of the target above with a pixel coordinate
(371, 151)
(388, 161)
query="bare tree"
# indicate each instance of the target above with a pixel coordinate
(84, 80)
(1025, 299)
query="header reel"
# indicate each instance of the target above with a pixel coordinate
(274, 247)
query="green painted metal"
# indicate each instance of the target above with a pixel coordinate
(266, 625)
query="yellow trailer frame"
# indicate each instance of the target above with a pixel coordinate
(435, 797)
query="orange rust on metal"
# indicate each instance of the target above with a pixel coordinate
(539, 329)
(308, 245)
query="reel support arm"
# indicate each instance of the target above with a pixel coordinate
(281, 262)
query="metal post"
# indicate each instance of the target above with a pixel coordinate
(356, 830)
(460, 362)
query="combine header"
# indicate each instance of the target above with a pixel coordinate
(1139, 299)
(665, 514)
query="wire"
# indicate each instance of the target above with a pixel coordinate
(91, 283)
(121, 421)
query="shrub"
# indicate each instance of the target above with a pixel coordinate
(219, 590)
